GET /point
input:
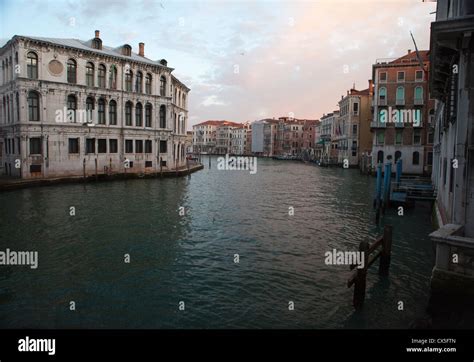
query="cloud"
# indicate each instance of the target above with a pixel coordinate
(298, 66)
(244, 60)
(213, 100)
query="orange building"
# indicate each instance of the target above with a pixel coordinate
(403, 112)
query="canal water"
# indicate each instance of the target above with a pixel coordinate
(190, 258)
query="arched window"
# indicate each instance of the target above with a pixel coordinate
(17, 106)
(128, 113)
(163, 86)
(101, 76)
(33, 106)
(380, 156)
(148, 115)
(89, 109)
(71, 108)
(8, 109)
(416, 158)
(418, 95)
(112, 112)
(32, 65)
(113, 77)
(400, 95)
(398, 155)
(71, 71)
(127, 50)
(138, 115)
(101, 111)
(148, 83)
(139, 82)
(128, 80)
(162, 116)
(183, 123)
(90, 74)
(97, 43)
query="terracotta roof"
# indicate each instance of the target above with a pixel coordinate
(218, 123)
(424, 55)
(360, 92)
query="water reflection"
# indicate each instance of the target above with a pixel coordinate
(191, 258)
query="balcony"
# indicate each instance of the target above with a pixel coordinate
(449, 276)
(377, 124)
(382, 102)
(446, 34)
(418, 101)
(400, 102)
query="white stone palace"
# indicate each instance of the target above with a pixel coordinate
(72, 108)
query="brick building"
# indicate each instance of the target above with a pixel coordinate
(403, 112)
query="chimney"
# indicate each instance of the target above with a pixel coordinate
(409, 51)
(371, 87)
(141, 49)
(97, 34)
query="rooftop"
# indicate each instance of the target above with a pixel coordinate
(86, 45)
(218, 123)
(409, 58)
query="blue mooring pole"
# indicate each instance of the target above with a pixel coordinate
(378, 193)
(378, 190)
(386, 183)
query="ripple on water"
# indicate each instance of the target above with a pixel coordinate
(191, 258)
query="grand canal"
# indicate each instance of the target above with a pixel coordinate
(190, 258)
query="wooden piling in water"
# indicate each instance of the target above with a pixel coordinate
(370, 255)
(361, 278)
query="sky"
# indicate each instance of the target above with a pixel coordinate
(243, 60)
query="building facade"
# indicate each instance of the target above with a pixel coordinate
(238, 139)
(402, 113)
(352, 131)
(258, 137)
(452, 85)
(329, 152)
(213, 137)
(72, 108)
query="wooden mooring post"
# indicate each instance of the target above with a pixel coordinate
(382, 247)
